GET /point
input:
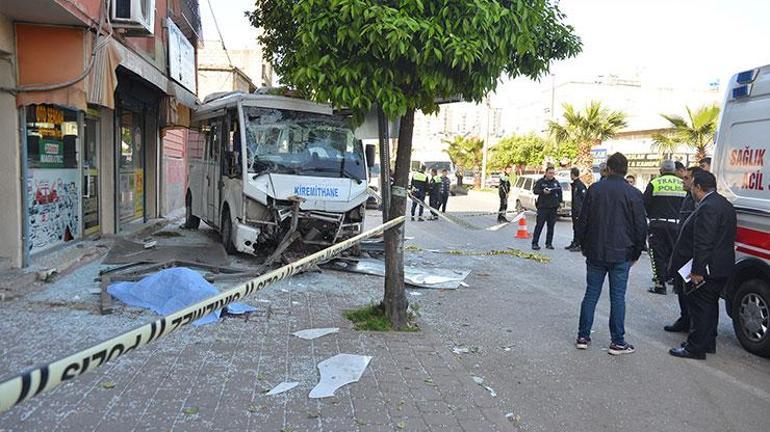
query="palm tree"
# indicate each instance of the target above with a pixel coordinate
(587, 129)
(665, 143)
(697, 131)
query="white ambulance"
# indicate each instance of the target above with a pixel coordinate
(741, 151)
(267, 169)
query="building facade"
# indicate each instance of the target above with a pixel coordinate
(93, 95)
(221, 70)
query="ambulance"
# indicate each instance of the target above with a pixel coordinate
(742, 144)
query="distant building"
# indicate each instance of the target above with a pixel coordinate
(456, 119)
(247, 72)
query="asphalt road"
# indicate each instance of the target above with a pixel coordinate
(533, 308)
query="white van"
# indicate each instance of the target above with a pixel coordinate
(525, 199)
(741, 151)
(264, 167)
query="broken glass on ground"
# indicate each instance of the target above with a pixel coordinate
(436, 278)
(480, 381)
(310, 334)
(282, 387)
(338, 371)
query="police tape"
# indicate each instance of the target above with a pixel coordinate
(39, 379)
(443, 216)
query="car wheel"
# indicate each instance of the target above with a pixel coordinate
(519, 207)
(751, 316)
(227, 233)
(190, 220)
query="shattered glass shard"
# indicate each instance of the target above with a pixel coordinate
(338, 371)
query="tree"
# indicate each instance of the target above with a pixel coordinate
(467, 153)
(665, 143)
(520, 151)
(697, 132)
(585, 130)
(404, 56)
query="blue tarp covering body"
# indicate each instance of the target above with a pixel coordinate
(172, 289)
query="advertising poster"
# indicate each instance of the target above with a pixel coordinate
(53, 211)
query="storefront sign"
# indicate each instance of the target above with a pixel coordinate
(651, 160)
(181, 57)
(599, 155)
(51, 153)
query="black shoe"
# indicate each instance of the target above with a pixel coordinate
(535, 247)
(549, 247)
(420, 219)
(570, 246)
(412, 218)
(710, 350)
(657, 290)
(576, 248)
(682, 352)
(502, 220)
(677, 327)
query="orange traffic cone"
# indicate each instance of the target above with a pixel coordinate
(522, 233)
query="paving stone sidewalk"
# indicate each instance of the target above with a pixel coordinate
(212, 378)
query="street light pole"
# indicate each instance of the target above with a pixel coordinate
(485, 147)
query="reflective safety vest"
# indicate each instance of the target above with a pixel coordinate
(418, 176)
(668, 185)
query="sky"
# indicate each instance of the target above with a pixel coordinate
(681, 43)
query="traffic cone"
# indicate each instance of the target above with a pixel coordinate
(522, 233)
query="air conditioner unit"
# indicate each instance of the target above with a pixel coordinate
(136, 16)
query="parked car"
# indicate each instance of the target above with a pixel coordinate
(493, 180)
(521, 193)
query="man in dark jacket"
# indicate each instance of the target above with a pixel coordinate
(662, 200)
(579, 191)
(503, 189)
(682, 324)
(548, 191)
(434, 186)
(611, 230)
(446, 186)
(708, 240)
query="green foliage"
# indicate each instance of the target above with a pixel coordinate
(466, 152)
(697, 131)
(371, 317)
(517, 150)
(665, 143)
(405, 54)
(591, 126)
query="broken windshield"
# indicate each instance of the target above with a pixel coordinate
(295, 142)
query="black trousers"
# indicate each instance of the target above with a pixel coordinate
(662, 236)
(684, 315)
(503, 206)
(545, 215)
(421, 197)
(574, 229)
(703, 306)
(444, 200)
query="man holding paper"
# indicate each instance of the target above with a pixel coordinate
(706, 243)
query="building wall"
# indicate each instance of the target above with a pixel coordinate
(10, 163)
(250, 61)
(212, 81)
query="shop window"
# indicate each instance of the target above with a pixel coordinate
(53, 181)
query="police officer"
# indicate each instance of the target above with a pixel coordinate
(419, 187)
(663, 200)
(434, 186)
(579, 191)
(548, 191)
(503, 189)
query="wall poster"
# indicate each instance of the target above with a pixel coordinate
(53, 212)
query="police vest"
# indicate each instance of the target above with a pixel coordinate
(668, 185)
(418, 176)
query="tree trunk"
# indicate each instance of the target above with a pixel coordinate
(585, 162)
(394, 301)
(477, 178)
(700, 154)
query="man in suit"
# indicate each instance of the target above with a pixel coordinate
(708, 239)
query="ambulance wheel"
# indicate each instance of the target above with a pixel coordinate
(190, 220)
(227, 233)
(751, 316)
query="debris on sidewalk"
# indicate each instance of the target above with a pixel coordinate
(282, 387)
(436, 278)
(480, 381)
(127, 252)
(310, 334)
(543, 259)
(338, 371)
(170, 290)
(465, 350)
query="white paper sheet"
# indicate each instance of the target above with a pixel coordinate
(685, 271)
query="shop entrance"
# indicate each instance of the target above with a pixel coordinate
(91, 175)
(131, 156)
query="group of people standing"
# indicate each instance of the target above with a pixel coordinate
(434, 186)
(691, 245)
